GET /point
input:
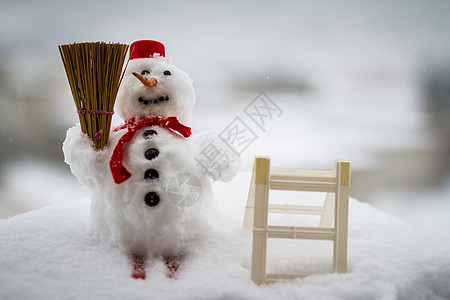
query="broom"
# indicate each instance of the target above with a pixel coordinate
(94, 72)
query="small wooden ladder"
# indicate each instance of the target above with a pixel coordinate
(335, 183)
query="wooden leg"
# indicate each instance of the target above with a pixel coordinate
(341, 220)
(260, 220)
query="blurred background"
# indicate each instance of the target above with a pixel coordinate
(365, 81)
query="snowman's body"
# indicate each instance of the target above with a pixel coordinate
(144, 215)
(163, 206)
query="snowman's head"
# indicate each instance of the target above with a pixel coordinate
(152, 87)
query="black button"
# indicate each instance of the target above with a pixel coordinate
(152, 199)
(151, 153)
(151, 174)
(149, 133)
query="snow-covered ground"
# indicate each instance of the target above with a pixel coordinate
(347, 76)
(51, 254)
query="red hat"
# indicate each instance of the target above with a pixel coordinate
(146, 49)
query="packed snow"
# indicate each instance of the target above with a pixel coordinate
(52, 253)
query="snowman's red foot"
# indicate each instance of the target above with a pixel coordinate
(138, 267)
(172, 265)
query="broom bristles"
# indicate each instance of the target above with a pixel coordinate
(94, 72)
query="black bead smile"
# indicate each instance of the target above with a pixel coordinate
(154, 101)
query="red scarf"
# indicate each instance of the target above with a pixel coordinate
(118, 171)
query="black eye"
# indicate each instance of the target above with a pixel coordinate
(167, 72)
(145, 72)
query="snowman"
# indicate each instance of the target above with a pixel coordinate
(149, 195)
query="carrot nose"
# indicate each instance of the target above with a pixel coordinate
(145, 80)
